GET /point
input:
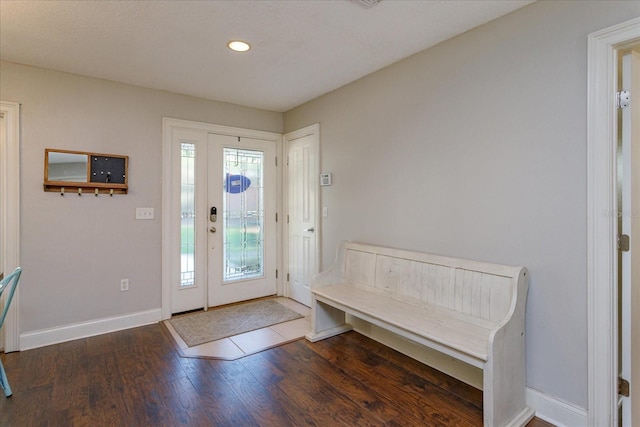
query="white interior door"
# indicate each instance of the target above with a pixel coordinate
(302, 205)
(241, 222)
(630, 226)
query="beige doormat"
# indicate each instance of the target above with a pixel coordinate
(218, 323)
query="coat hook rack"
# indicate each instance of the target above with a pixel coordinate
(80, 171)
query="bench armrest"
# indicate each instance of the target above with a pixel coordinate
(333, 275)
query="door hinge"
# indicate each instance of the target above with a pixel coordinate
(276, 162)
(287, 277)
(623, 98)
(624, 243)
(276, 216)
(623, 387)
(287, 160)
(287, 219)
(276, 274)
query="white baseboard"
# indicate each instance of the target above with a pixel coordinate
(41, 338)
(555, 411)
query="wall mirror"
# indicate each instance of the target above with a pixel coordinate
(67, 167)
(80, 171)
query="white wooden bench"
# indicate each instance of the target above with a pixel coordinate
(469, 310)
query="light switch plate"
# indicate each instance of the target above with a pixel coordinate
(144, 213)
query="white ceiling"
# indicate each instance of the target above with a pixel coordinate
(300, 49)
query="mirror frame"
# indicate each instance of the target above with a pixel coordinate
(95, 187)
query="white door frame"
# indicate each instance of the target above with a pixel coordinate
(171, 268)
(10, 205)
(313, 130)
(602, 224)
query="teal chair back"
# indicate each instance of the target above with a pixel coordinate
(8, 287)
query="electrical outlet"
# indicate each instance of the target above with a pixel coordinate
(144, 213)
(124, 285)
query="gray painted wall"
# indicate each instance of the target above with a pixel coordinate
(75, 250)
(476, 148)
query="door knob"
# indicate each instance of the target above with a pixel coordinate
(310, 230)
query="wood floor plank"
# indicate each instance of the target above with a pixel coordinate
(221, 403)
(470, 394)
(383, 409)
(137, 378)
(325, 404)
(257, 398)
(424, 401)
(270, 377)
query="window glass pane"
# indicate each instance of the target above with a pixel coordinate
(243, 205)
(187, 214)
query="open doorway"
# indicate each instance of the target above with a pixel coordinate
(10, 212)
(602, 234)
(628, 217)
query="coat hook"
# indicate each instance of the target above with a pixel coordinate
(96, 192)
(62, 191)
(111, 192)
(79, 191)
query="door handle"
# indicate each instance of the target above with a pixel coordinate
(310, 230)
(212, 230)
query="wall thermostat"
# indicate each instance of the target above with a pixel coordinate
(325, 179)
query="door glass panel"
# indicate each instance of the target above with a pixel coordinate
(243, 207)
(187, 214)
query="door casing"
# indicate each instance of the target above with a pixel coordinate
(602, 227)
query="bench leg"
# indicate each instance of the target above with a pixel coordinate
(326, 321)
(503, 394)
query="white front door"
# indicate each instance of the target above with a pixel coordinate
(205, 262)
(301, 207)
(241, 219)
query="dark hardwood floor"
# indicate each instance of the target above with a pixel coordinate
(136, 378)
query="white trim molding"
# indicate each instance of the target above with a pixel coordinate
(91, 328)
(10, 215)
(555, 411)
(602, 230)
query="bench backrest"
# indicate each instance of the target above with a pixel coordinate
(484, 291)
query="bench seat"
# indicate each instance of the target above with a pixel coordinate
(455, 332)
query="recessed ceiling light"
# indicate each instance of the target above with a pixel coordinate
(238, 46)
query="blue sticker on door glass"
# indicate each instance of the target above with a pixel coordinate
(235, 184)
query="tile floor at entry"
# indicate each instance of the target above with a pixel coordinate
(250, 342)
